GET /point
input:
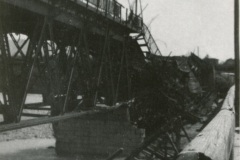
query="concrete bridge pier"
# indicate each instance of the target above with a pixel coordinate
(99, 135)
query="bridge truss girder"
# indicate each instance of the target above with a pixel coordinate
(56, 57)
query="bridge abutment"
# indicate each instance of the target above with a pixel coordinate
(99, 135)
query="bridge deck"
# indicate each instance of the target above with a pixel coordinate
(73, 13)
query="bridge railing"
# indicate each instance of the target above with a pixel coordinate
(114, 9)
(151, 43)
(215, 142)
(108, 8)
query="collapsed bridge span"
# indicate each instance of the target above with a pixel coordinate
(78, 55)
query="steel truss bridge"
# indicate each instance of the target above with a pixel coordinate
(76, 54)
(57, 43)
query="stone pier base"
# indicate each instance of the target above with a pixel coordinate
(100, 134)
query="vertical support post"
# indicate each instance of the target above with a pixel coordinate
(28, 58)
(98, 2)
(54, 50)
(33, 65)
(136, 8)
(31, 44)
(87, 4)
(141, 12)
(4, 98)
(213, 77)
(237, 65)
(48, 79)
(120, 72)
(121, 14)
(128, 76)
(101, 65)
(71, 74)
(85, 42)
(126, 16)
(9, 93)
(5, 66)
(46, 51)
(110, 64)
(106, 8)
(69, 83)
(114, 9)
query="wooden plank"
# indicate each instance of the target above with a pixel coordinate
(34, 105)
(45, 120)
(215, 142)
(38, 109)
(33, 115)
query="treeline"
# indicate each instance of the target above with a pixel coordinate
(227, 66)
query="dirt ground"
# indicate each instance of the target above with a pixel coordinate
(34, 149)
(34, 143)
(37, 132)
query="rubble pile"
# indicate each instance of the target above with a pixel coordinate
(166, 89)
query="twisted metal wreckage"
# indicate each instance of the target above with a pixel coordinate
(79, 54)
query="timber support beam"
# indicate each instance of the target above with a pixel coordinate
(53, 119)
(215, 142)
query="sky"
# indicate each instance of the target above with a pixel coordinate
(181, 26)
